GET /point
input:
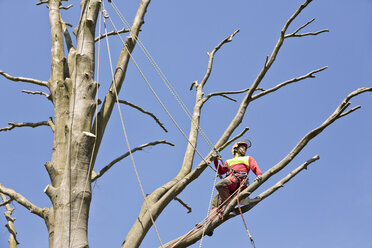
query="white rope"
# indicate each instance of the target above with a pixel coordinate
(162, 75)
(126, 137)
(156, 96)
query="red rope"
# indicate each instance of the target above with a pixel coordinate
(200, 224)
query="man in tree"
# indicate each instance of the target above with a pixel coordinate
(237, 168)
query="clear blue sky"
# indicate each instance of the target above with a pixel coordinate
(329, 205)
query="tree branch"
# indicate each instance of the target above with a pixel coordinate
(23, 79)
(48, 96)
(66, 7)
(275, 187)
(211, 56)
(234, 139)
(10, 225)
(275, 169)
(183, 204)
(197, 234)
(29, 124)
(145, 112)
(120, 72)
(67, 36)
(224, 93)
(95, 176)
(102, 36)
(309, 75)
(350, 111)
(294, 34)
(24, 202)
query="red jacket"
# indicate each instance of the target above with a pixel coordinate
(252, 165)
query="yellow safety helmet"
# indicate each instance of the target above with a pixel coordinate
(240, 143)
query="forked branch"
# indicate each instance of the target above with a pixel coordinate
(29, 124)
(294, 80)
(295, 33)
(42, 212)
(10, 221)
(211, 57)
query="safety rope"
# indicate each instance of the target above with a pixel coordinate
(123, 126)
(210, 202)
(95, 138)
(154, 93)
(245, 224)
(162, 76)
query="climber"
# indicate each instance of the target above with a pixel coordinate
(237, 168)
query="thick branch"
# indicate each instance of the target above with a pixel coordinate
(277, 186)
(309, 75)
(145, 112)
(197, 234)
(211, 56)
(23, 79)
(275, 169)
(120, 72)
(29, 124)
(67, 36)
(102, 36)
(95, 176)
(24, 202)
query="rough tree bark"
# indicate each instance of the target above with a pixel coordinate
(78, 136)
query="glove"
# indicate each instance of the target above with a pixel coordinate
(258, 178)
(216, 156)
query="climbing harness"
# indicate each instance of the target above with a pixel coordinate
(206, 221)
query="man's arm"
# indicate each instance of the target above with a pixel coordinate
(254, 167)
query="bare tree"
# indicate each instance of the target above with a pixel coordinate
(78, 130)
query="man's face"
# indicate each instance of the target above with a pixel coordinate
(241, 150)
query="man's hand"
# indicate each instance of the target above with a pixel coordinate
(216, 156)
(258, 178)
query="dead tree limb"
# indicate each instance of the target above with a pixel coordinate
(102, 36)
(294, 80)
(275, 187)
(294, 34)
(29, 124)
(13, 242)
(23, 79)
(211, 57)
(183, 204)
(41, 212)
(95, 176)
(145, 112)
(48, 96)
(234, 139)
(191, 239)
(120, 72)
